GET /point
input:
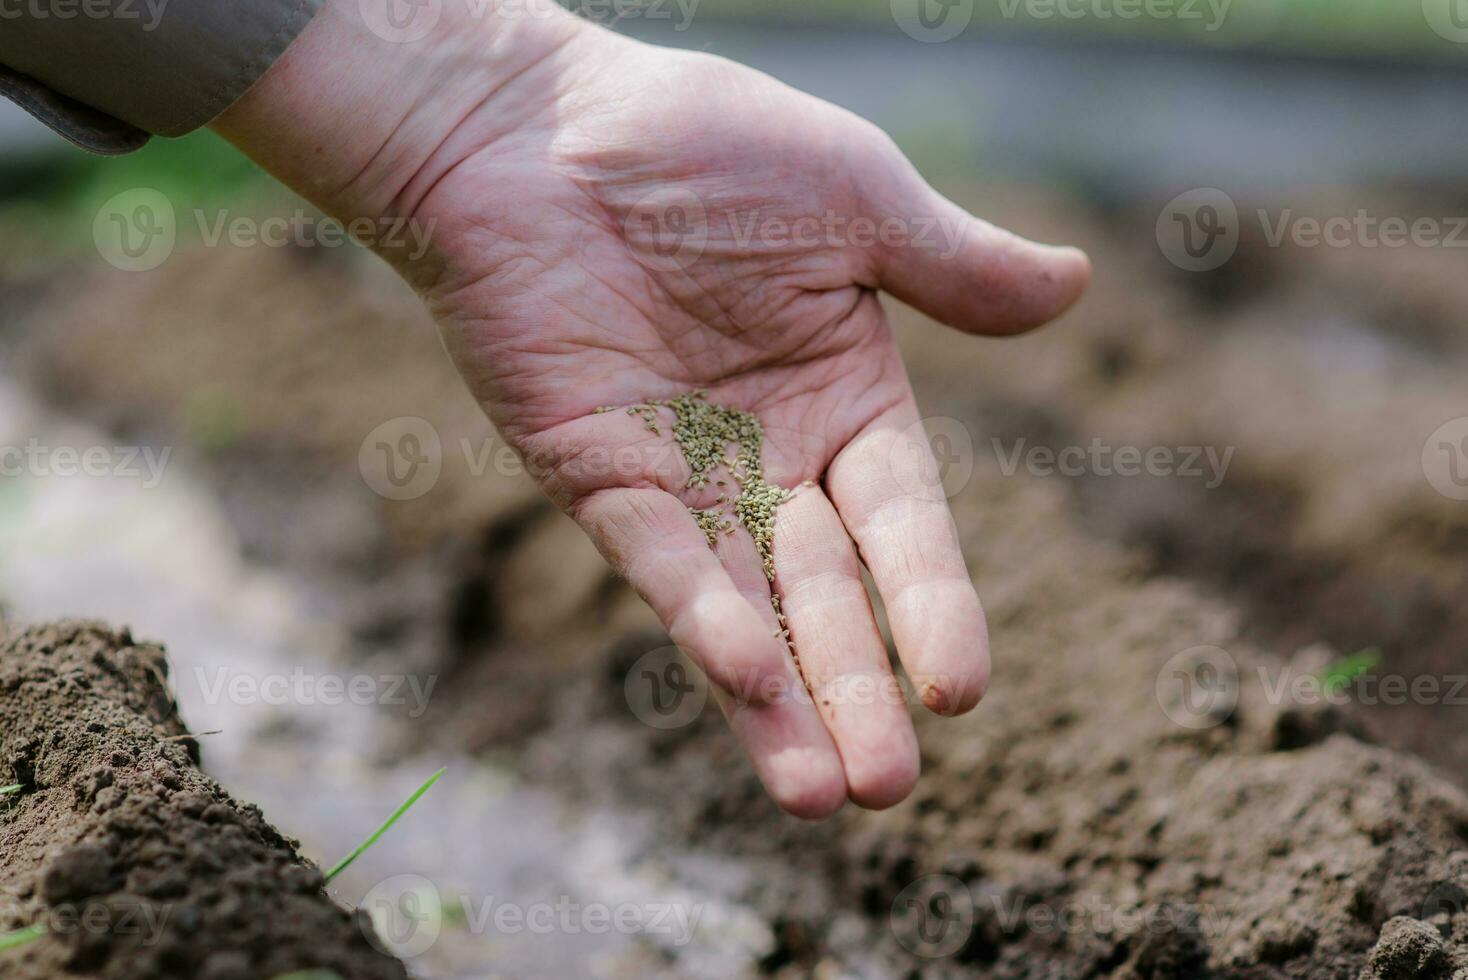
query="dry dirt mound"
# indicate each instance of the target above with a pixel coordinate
(138, 865)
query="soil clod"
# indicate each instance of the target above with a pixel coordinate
(136, 864)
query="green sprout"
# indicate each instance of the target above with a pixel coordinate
(15, 940)
(397, 815)
(11, 790)
(1341, 673)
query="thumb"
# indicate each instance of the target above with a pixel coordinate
(970, 274)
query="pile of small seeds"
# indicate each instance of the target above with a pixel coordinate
(705, 432)
(712, 522)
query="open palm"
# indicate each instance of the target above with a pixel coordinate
(679, 222)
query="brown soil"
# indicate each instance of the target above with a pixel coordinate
(1069, 828)
(139, 865)
(1272, 845)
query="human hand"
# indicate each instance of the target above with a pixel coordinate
(615, 224)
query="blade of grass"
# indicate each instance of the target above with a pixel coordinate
(15, 940)
(1341, 673)
(397, 815)
(8, 790)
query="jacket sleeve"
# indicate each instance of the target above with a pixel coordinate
(106, 74)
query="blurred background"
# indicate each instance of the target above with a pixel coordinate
(1272, 191)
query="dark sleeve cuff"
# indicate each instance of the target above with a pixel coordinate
(114, 71)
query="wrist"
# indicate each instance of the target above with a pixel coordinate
(363, 114)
